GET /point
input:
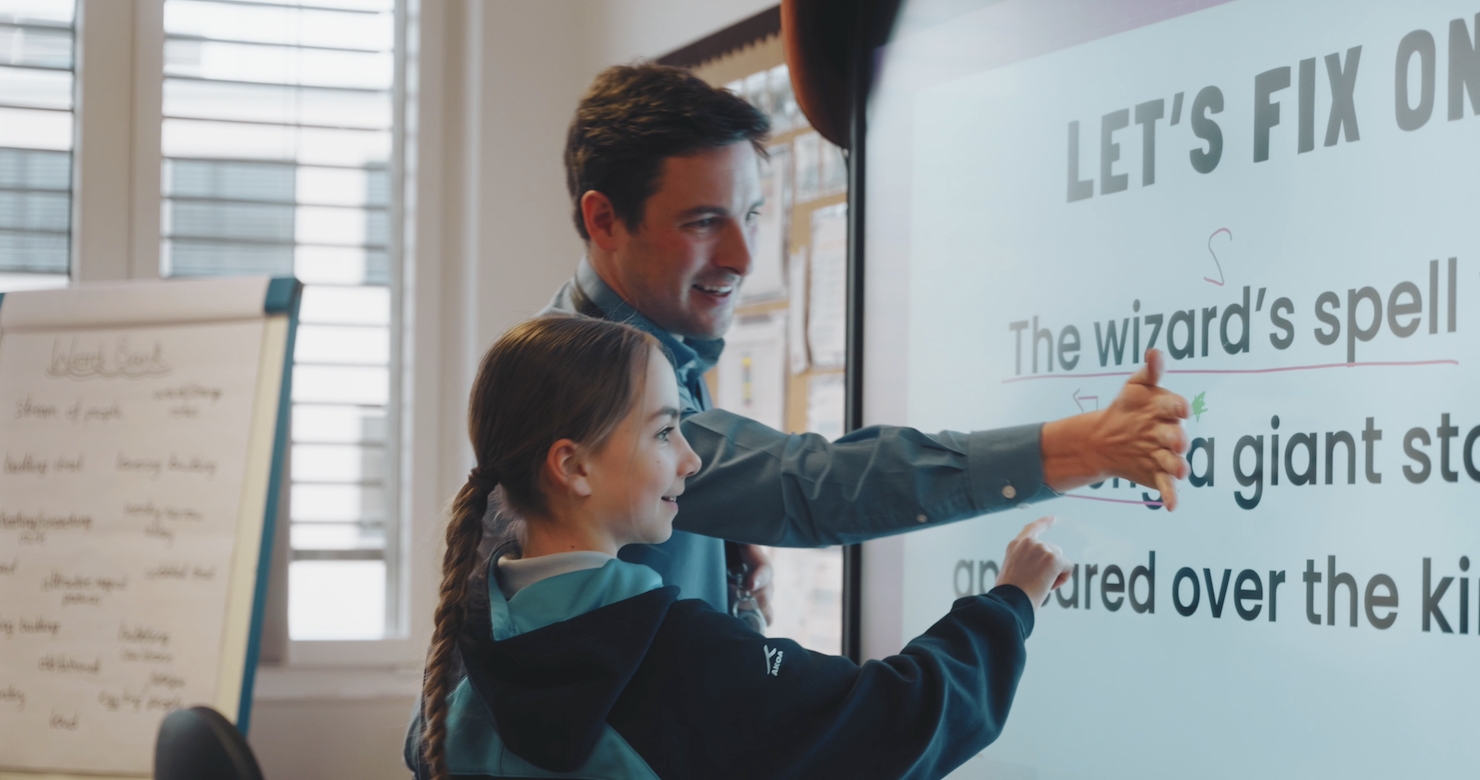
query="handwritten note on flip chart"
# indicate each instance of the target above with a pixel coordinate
(122, 459)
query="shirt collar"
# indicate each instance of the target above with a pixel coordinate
(564, 595)
(686, 354)
(515, 574)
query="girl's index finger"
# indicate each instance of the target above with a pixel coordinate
(1033, 529)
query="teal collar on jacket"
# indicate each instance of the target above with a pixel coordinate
(565, 596)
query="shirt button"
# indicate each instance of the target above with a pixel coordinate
(921, 519)
(1009, 492)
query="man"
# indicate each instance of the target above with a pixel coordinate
(664, 177)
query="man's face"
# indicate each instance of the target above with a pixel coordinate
(683, 266)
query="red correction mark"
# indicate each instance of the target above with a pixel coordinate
(1219, 280)
(1152, 504)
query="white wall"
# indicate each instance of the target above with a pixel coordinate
(329, 739)
(498, 238)
(631, 29)
(535, 63)
(509, 241)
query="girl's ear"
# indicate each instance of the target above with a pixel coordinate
(566, 467)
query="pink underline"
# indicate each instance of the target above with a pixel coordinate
(1386, 363)
(1113, 500)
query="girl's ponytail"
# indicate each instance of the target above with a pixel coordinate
(464, 534)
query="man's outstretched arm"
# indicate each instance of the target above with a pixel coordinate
(761, 486)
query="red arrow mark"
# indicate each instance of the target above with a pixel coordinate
(1219, 281)
(1079, 398)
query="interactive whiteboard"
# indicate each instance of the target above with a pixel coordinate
(1282, 197)
(142, 428)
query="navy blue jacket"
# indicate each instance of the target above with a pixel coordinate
(652, 686)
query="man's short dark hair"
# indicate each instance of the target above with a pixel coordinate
(635, 116)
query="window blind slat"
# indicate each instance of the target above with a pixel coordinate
(259, 63)
(362, 6)
(331, 109)
(60, 13)
(280, 24)
(35, 88)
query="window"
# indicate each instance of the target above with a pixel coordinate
(277, 144)
(36, 103)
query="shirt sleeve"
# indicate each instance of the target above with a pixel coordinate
(761, 486)
(773, 709)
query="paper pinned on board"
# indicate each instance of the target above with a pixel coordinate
(833, 177)
(752, 369)
(785, 113)
(767, 278)
(826, 398)
(807, 166)
(827, 298)
(796, 312)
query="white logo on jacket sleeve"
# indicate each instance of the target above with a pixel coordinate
(773, 660)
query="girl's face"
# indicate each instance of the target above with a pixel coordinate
(638, 473)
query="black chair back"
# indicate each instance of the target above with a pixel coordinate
(201, 744)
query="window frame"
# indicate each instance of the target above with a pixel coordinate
(114, 188)
(116, 191)
(35, 68)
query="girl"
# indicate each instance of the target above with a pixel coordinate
(567, 662)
